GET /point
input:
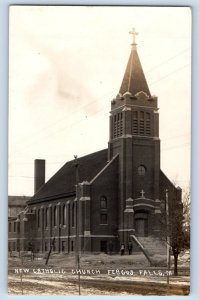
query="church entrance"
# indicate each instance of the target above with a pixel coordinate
(141, 227)
(141, 224)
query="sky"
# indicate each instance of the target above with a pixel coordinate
(66, 64)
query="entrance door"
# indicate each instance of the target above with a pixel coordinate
(141, 227)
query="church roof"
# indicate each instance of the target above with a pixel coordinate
(134, 80)
(62, 184)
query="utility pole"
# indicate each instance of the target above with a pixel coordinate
(77, 222)
(168, 236)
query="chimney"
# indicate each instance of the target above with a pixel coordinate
(39, 179)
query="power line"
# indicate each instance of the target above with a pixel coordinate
(26, 177)
(64, 118)
(175, 147)
(162, 150)
(167, 75)
(62, 162)
(169, 59)
(175, 137)
(75, 123)
(94, 101)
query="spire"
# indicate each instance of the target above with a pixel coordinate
(134, 80)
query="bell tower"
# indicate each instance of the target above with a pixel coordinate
(134, 135)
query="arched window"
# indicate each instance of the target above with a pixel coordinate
(55, 216)
(64, 214)
(103, 202)
(103, 210)
(47, 216)
(73, 214)
(38, 217)
(141, 170)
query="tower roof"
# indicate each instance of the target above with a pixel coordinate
(134, 80)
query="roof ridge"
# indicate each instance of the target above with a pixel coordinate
(104, 168)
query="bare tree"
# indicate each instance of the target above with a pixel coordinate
(186, 217)
(176, 233)
(172, 228)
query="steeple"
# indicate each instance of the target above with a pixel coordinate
(134, 80)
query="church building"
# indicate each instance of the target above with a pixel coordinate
(111, 197)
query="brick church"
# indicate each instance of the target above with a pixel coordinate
(115, 195)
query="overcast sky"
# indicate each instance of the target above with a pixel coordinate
(67, 64)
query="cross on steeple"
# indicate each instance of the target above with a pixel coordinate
(134, 33)
(142, 193)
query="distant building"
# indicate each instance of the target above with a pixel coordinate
(121, 189)
(16, 204)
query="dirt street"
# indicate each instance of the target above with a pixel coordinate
(99, 275)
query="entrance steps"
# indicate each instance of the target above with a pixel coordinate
(153, 248)
(153, 245)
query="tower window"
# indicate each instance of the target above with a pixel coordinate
(141, 123)
(142, 115)
(141, 127)
(148, 124)
(135, 115)
(141, 170)
(117, 125)
(148, 116)
(135, 122)
(121, 124)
